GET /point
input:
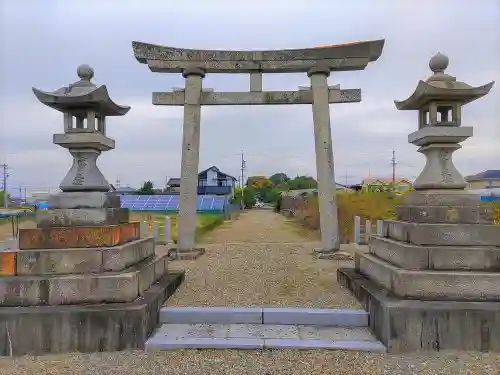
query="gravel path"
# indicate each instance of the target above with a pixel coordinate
(275, 274)
(261, 259)
(240, 362)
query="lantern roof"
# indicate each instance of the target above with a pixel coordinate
(82, 96)
(442, 87)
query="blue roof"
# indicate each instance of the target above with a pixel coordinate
(490, 174)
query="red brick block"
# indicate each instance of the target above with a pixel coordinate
(77, 237)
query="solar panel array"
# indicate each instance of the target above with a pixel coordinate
(170, 202)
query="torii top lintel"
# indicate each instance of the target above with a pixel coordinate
(341, 57)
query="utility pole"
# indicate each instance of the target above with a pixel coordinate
(243, 166)
(117, 182)
(5, 176)
(393, 162)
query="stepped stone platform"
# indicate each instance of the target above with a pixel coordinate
(83, 280)
(432, 282)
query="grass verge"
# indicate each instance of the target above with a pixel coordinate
(204, 223)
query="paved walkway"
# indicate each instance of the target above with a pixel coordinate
(261, 259)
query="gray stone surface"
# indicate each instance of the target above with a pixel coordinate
(414, 257)
(85, 328)
(73, 200)
(443, 234)
(210, 315)
(177, 98)
(185, 255)
(323, 317)
(190, 159)
(327, 204)
(81, 217)
(352, 56)
(85, 107)
(430, 284)
(94, 141)
(53, 290)
(261, 336)
(80, 261)
(413, 325)
(451, 198)
(454, 214)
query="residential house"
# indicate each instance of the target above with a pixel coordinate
(122, 190)
(485, 180)
(375, 184)
(211, 181)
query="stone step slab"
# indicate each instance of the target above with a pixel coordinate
(442, 234)
(81, 261)
(74, 217)
(263, 315)
(262, 336)
(80, 237)
(87, 199)
(476, 214)
(445, 258)
(429, 284)
(107, 287)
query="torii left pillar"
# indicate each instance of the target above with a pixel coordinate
(190, 159)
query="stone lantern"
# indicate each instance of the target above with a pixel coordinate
(439, 101)
(431, 279)
(85, 271)
(85, 107)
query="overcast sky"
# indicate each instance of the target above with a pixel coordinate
(43, 42)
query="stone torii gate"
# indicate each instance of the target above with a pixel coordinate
(316, 62)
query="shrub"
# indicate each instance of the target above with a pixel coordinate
(367, 205)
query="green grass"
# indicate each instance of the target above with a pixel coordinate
(205, 223)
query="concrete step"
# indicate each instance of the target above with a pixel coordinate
(264, 315)
(262, 336)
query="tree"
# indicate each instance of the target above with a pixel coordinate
(279, 179)
(271, 195)
(1, 198)
(302, 182)
(146, 189)
(249, 197)
(244, 197)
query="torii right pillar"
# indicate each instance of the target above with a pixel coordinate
(432, 280)
(327, 204)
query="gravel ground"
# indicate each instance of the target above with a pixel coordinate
(240, 362)
(275, 274)
(261, 259)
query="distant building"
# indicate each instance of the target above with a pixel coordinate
(122, 190)
(311, 192)
(485, 180)
(376, 184)
(211, 181)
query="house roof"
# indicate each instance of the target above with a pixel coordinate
(490, 174)
(214, 168)
(174, 181)
(177, 181)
